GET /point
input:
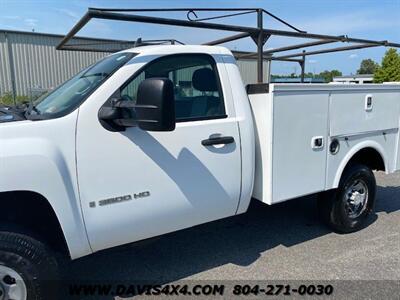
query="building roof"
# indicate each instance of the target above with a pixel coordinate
(296, 80)
(355, 76)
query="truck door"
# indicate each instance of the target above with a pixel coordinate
(136, 184)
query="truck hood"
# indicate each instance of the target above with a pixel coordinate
(11, 125)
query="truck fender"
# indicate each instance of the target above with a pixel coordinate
(37, 165)
(353, 151)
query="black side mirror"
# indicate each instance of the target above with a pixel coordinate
(154, 109)
(155, 105)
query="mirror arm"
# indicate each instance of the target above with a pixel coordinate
(126, 122)
(108, 113)
(112, 113)
(132, 122)
(148, 121)
(130, 104)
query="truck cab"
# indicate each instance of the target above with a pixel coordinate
(109, 181)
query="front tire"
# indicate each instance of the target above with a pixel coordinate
(347, 208)
(28, 268)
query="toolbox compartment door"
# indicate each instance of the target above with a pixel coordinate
(300, 124)
(349, 113)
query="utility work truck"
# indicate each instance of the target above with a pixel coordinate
(158, 138)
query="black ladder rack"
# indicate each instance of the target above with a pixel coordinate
(258, 34)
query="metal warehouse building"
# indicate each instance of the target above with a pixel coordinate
(30, 64)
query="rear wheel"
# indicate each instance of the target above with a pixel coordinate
(346, 209)
(28, 269)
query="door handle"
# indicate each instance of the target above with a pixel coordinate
(218, 141)
(317, 142)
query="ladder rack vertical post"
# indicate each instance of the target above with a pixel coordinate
(303, 66)
(260, 44)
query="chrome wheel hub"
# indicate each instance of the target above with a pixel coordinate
(356, 198)
(12, 286)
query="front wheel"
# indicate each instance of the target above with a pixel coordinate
(28, 269)
(347, 208)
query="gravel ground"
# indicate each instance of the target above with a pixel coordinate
(280, 242)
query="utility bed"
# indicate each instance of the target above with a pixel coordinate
(296, 124)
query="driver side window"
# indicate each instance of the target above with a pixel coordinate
(198, 93)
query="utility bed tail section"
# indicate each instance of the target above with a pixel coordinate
(295, 125)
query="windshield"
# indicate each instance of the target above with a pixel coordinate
(73, 92)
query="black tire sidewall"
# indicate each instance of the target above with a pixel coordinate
(33, 261)
(339, 215)
(26, 270)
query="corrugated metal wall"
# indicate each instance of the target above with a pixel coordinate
(5, 78)
(35, 65)
(248, 70)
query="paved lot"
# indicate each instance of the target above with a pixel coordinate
(285, 241)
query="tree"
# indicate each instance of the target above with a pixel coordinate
(367, 66)
(390, 67)
(328, 75)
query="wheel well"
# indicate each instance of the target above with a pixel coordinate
(31, 213)
(368, 157)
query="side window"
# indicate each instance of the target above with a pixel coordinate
(198, 93)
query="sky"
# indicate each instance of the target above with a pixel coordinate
(369, 19)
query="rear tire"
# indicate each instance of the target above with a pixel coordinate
(27, 267)
(347, 208)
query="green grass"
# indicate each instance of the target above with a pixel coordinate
(7, 99)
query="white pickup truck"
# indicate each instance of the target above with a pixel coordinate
(160, 138)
